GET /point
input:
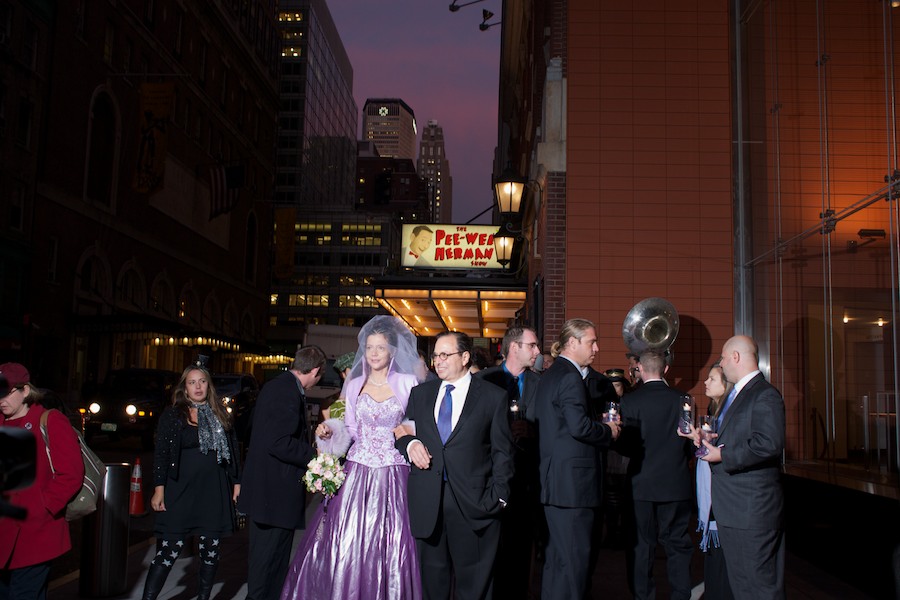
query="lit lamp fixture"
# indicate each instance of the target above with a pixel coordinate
(503, 246)
(509, 188)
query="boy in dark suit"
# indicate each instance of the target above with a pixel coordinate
(660, 479)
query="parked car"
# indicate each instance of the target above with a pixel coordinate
(129, 403)
(238, 392)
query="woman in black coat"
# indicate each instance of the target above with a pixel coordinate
(196, 472)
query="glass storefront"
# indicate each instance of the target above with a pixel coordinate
(817, 261)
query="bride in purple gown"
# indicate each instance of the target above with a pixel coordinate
(359, 544)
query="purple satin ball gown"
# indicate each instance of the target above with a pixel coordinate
(359, 546)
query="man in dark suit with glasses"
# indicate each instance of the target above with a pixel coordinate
(461, 457)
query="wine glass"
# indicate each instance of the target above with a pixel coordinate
(706, 431)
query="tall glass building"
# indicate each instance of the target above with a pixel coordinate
(326, 253)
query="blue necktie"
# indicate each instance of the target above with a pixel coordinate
(445, 415)
(725, 407)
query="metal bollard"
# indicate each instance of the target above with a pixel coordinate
(104, 550)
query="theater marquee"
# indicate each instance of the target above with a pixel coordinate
(436, 246)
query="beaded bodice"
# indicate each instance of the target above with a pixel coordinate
(375, 421)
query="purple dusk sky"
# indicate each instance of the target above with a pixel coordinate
(443, 67)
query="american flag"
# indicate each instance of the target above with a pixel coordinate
(225, 185)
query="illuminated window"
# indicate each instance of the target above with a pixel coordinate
(273, 299)
(308, 300)
(357, 301)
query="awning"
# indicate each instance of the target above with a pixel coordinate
(479, 307)
(155, 331)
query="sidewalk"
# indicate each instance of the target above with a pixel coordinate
(803, 580)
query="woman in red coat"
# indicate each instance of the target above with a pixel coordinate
(27, 546)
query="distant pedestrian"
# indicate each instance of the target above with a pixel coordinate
(29, 544)
(196, 478)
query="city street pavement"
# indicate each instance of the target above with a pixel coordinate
(803, 579)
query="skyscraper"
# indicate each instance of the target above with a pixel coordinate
(434, 166)
(391, 124)
(326, 250)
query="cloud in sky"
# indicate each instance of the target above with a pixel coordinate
(443, 67)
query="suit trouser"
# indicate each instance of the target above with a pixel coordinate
(455, 556)
(715, 576)
(755, 561)
(268, 560)
(668, 523)
(567, 561)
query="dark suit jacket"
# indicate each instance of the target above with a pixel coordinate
(499, 377)
(477, 456)
(272, 492)
(746, 485)
(600, 392)
(570, 441)
(658, 468)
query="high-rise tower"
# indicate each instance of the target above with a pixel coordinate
(434, 167)
(391, 124)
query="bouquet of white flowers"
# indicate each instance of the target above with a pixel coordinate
(324, 474)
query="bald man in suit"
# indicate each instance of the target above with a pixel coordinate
(745, 460)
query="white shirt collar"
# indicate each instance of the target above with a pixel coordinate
(582, 370)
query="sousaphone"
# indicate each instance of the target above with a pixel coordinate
(652, 324)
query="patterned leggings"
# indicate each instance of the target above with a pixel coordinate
(168, 549)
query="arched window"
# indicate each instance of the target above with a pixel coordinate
(250, 250)
(162, 298)
(131, 292)
(101, 158)
(93, 283)
(248, 327)
(212, 314)
(189, 306)
(230, 325)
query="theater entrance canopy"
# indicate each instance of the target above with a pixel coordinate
(477, 306)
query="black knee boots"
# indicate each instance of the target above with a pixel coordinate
(206, 574)
(156, 579)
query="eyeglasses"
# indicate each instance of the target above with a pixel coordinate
(528, 344)
(444, 355)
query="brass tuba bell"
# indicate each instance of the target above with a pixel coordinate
(652, 324)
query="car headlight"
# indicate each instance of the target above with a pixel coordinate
(228, 408)
(130, 410)
(94, 408)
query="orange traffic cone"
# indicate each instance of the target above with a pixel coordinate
(136, 497)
